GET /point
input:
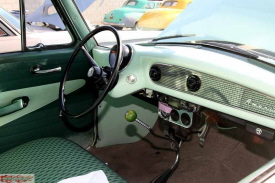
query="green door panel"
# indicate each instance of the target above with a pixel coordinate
(38, 97)
(44, 122)
(41, 118)
(15, 105)
(15, 68)
(114, 129)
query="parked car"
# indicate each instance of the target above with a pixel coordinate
(160, 18)
(129, 14)
(203, 89)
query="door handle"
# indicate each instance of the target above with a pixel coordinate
(16, 105)
(37, 70)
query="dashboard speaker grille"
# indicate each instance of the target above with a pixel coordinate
(217, 90)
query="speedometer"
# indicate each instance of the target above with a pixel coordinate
(126, 53)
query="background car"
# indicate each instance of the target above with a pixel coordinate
(129, 14)
(163, 16)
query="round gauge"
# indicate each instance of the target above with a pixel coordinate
(185, 119)
(127, 55)
(175, 115)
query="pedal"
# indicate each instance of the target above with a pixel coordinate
(210, 117)
(204, 132)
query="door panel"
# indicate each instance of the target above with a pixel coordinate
(41, 117)
(49, 93)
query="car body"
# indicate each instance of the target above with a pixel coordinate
(162, 17)
(204, 93)
(46, 14)
(129, 14)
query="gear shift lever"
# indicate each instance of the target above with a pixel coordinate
(131, 116)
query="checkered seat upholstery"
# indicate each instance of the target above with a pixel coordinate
(52, 160)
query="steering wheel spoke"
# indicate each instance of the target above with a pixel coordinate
(90, 58)
(106, 76)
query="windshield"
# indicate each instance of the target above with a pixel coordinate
(247, 22)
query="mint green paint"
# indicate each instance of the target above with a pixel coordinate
(221, 64)
(39, 97)
(127, 16)
(12, 107)
(101, 55)
(113, 127)
(77, 22)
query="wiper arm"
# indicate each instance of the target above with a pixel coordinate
(230, 47)
(233, 47)
(223, 46)
(175, 36)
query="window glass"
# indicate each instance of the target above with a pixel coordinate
(131, 3)
(9, 28)
(2, 33)
(46, 24)
(149, 6)
(10, 19)
(158, 5)
(170, 3)
(130, 22)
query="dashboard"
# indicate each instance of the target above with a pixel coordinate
(215, 79)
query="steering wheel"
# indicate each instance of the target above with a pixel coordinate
(108, 76)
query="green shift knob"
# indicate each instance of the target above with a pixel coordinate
(131, 116)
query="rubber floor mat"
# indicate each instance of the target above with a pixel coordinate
(228, 156)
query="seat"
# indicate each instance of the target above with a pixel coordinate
(52, 160)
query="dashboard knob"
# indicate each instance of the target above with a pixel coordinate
(193, 83)
(155, 73)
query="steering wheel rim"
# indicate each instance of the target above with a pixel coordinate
(112, 79)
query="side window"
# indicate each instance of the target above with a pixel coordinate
(149, 6)
(45, 25)
(158, 5)
(10, 40)
(170, 3)
(131, 3)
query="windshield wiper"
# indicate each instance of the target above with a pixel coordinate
(236, 48)
(224, 45)
(229, 46)
(175, 36)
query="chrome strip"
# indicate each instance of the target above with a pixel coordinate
(113, 24)
(132, 52)
(23, 25)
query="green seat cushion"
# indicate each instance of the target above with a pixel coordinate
(52, 160)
